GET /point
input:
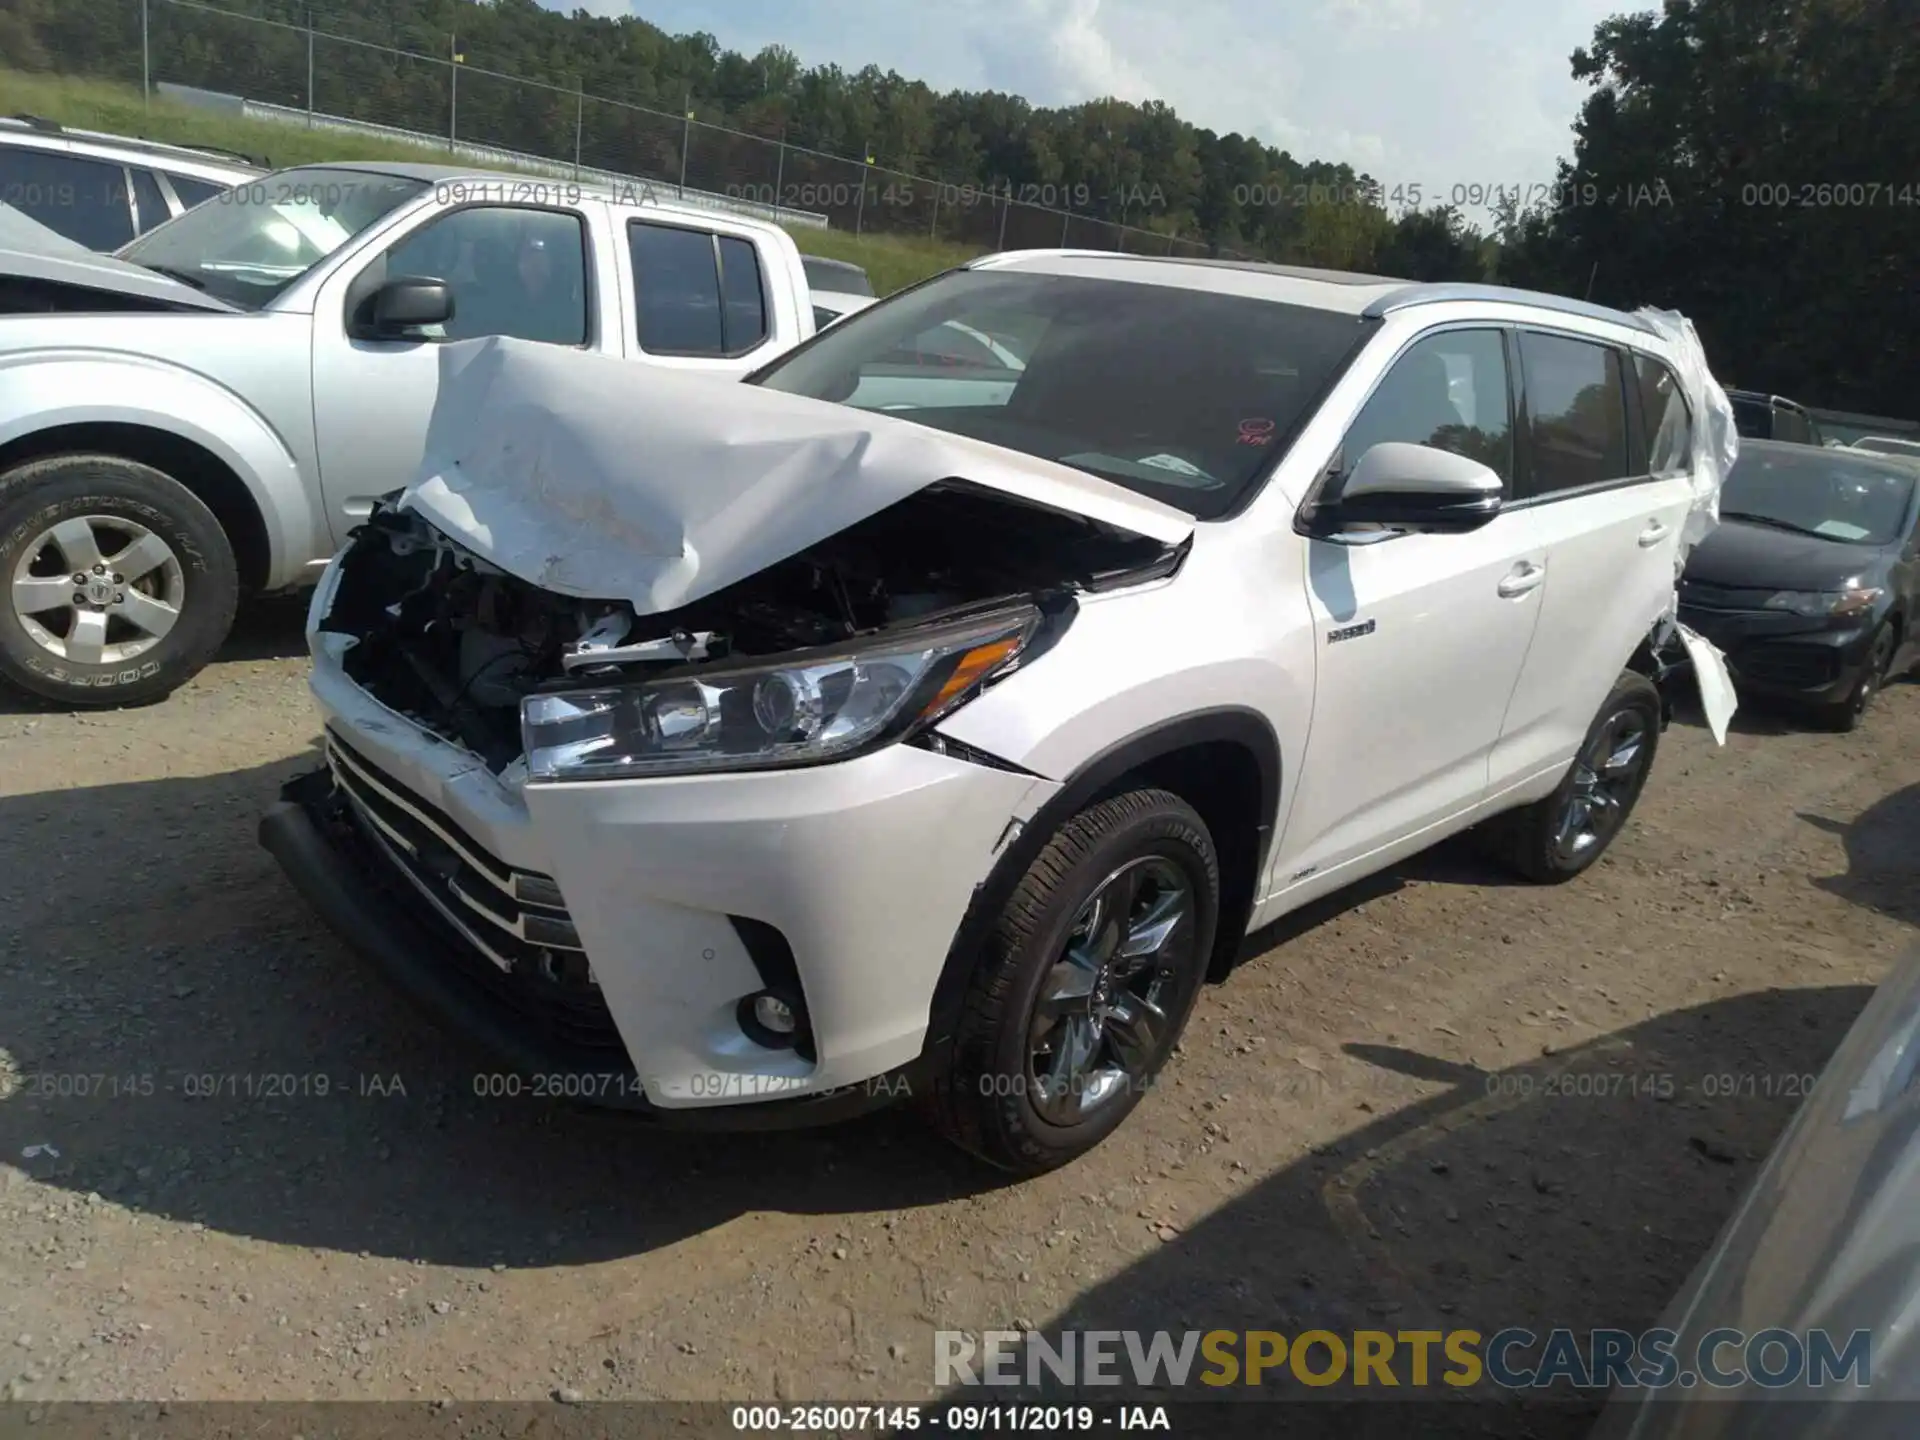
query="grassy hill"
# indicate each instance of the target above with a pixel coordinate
(892, 260)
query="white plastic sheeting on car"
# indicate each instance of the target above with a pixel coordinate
(1716, 445)
(591, 476)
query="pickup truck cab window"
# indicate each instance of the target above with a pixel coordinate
(696, 293)
(513, 271)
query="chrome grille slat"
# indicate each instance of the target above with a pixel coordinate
(503, 897)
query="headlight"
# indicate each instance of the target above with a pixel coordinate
(822, 705)
(1817, 603)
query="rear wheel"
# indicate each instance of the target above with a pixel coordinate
(1085, 983)
(1556, 838)
(1850, 712)
(120, 583)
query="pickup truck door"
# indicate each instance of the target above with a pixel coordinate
(1605, 460)
(539, 272)
(1420, 637)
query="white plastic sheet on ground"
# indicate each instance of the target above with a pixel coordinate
(1716, 445)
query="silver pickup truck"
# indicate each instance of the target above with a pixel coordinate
(208, 412)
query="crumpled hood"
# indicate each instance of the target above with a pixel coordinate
(29, 249)
(609, 479)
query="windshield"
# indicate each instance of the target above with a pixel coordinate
(1186, 396)
(249, 243)
(1819, 492)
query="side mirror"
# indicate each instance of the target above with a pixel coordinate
(1409, 487)
(404, 304)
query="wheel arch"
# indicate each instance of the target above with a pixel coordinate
(1225, 762)
(208, 477)
(204, 435)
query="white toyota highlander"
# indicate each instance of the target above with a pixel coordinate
(931, 718)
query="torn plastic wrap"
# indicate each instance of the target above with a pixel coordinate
(1716, 445)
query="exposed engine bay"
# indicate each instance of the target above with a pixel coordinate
(455, 643)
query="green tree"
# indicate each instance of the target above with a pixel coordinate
(1755, 164)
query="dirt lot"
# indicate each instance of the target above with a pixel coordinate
(1363, 1127)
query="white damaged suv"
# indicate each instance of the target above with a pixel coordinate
(910, 720)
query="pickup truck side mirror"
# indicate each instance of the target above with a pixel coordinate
(402, 305)
(1409, 487)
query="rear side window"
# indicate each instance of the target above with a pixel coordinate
(1663, 411)
(147, 199)
(696, 293)
(84, 200)
(1577, 412)
(192, 191)
(1791, 425)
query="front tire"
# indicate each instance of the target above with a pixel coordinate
(1084, 984)
(120, 584)
(1852, 711)
(1555, 839)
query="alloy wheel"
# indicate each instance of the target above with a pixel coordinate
(1605, 777)
(1104, 1016)
(98, 590)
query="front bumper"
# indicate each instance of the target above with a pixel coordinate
(682, 895)
(1784, 655)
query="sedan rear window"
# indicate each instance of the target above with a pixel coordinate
(1816, 492)
(1186, 396)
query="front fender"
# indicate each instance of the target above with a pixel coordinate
(45, 390)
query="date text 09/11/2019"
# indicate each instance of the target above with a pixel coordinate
(962, 1419)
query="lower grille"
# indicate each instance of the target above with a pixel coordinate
(1803, 666)
(516, 921)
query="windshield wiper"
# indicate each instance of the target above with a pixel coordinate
(1769, 521)
(174, 272)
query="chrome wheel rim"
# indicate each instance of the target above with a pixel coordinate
(1104, 1016)
(98, 590)
(1605, 777)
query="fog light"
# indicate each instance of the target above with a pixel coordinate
(775, 1014)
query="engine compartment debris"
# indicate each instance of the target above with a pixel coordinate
(455, 643)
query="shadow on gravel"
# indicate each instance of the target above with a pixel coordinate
(1881, 844)
(196, 1046)
(1576, 1190)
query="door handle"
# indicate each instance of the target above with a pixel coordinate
(1655, 532)
(1522, 578)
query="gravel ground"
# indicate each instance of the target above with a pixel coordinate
(1380, 1119)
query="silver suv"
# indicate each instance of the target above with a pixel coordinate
(102, 190)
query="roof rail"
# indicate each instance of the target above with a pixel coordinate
(1434, 294)
(258, 162)
(40, 122)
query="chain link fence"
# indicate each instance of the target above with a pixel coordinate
(421, 90)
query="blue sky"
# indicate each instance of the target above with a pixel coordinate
(1435, 93)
